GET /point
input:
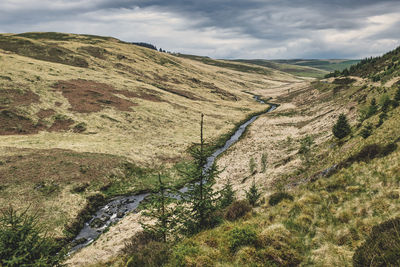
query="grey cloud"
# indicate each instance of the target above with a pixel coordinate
(221, 28)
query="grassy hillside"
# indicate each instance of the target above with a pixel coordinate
(289, 67)
(243, 67)
(322, 64)
(313, 68)
(319, 207)
(260, 66)
(87, 115)
(380, 69)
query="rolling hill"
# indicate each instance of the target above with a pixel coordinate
(292, 67)
(86, 118)
(85, 115)
(329, 65)
(312, 68)
(337, 204)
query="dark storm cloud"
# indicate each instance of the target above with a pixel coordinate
(236, 28)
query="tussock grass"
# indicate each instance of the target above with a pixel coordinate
(332, 214)
(70, 155)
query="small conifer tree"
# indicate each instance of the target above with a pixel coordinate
(200, 200)
(23, 241)
(227, 195)
(342, 128)
(160, 210)
(253, 195)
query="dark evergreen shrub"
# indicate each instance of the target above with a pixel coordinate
(342, 128)
(382, 118)
(366, 131)
(24, 243)
(227, 195)
(253, 195)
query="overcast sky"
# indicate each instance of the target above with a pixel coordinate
(269, 29)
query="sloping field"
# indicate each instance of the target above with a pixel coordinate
(97, 94)
(83, 115)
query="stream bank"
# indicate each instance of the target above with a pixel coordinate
(118, 207)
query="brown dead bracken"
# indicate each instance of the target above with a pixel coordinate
(45, 113)
(90, 96)
(14, 98)
(61, 125)
(60, 165)
(10, 120)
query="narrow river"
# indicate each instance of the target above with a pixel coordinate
(118, 207)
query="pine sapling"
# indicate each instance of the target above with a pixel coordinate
(162, 212)
(200, 199)
(227, 195)
(253, 195)
(342, 128)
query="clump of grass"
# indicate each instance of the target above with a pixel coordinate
(47, 187)
(183, 254)
(382, 247)
(263, 162)
(252, 166)
(278, 246)
(80, 127)
(277, 197)
(237, 210)
(241, 236)
(366, 131)
(144, 250)
(80, 188)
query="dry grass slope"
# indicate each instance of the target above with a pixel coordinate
(332, 212)
(75, 109)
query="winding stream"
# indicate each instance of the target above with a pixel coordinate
(118, 207)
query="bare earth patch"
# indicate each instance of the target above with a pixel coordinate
(89, 96)
(45, 113)
(61, 125)
(14, 124)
